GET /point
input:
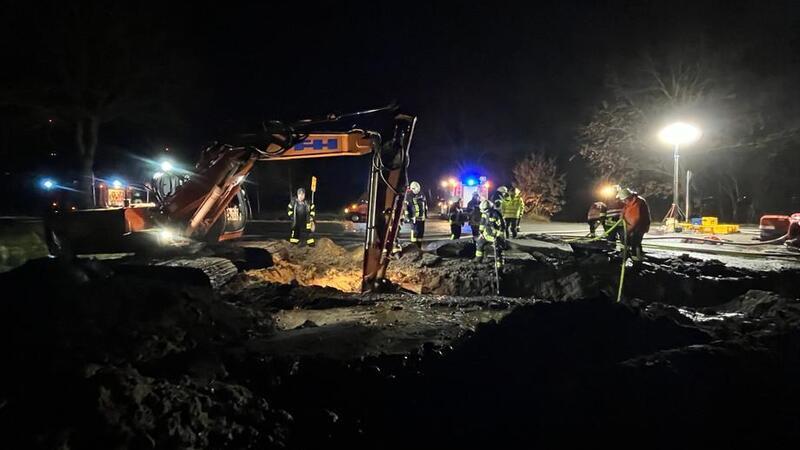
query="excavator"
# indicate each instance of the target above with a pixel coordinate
(211, 206)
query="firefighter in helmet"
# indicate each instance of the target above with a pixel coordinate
(636, 215)
(416, 212)
(303, 216)
(491, 229)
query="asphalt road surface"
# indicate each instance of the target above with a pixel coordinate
(765, 257)
(344, 233)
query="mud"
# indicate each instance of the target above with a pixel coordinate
(281, 358)
(589, 272)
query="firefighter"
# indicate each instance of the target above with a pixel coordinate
(416, 212)
(303, 216)
(491, 228)
(474, 211)
(511, 207)
(454, 214)
(636, 215)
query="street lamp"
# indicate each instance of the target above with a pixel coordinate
(677, 134)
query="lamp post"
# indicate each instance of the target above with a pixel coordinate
(677, 134)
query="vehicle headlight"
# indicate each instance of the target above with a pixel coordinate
(166, 236)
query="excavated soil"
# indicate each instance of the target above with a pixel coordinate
(290, 357)
(678, 280)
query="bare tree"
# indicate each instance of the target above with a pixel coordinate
(98, 63)
(741, 121)
(541, 183)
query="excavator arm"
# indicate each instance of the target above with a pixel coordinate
(211, 205)
(199, 205)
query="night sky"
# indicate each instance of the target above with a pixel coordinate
(490, 81)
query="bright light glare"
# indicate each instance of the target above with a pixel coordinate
(166, 166)
(471, 182)
(452, 181)
(679, 133)
(166, 235)
(48, 184)
(444, 183)
(117, 184)
(608, 191)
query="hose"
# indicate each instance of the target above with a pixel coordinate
(742, 244)
(624, 259)
(602, 236)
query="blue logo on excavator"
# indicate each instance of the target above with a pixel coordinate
(318, 144)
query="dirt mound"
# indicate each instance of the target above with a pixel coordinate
(562, 373)
(759, 304)
(326, 264)
(123, 360)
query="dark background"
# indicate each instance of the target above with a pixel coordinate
(490, 81)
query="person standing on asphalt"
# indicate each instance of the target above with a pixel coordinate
(416, 212)
(474, 211)
(303, 215)
(636, 215)
(511, 207)
(454, 214)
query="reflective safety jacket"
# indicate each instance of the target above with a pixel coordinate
(637, 215)
(512, 206)
(302, 212)
(416, 207)
(491, 225)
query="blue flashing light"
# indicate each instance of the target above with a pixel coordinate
(471, 182)
(117, 184)
(48, 184)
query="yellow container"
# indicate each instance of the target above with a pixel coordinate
(705, 229)
(710, 221)
(726, 228)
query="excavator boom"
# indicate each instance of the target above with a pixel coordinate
(211, 205)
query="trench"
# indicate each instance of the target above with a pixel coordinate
(673, 280)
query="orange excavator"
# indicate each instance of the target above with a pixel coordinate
(211, 206)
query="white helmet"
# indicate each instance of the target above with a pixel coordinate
(415, 187)
(624, 193)
(485, 205)
(503, 190)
